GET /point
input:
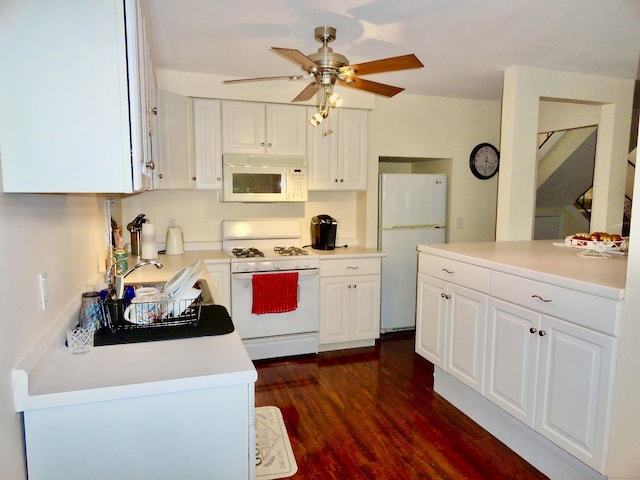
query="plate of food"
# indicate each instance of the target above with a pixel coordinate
(597, 242)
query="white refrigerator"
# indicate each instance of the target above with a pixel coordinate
(411, 211)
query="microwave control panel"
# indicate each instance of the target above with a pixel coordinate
(297, 184)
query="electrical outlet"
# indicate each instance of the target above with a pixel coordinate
(458, 223)
(44, 290)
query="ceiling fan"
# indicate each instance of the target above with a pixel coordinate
(326, 68)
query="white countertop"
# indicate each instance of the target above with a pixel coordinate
(133, 370)
(49, 376)
(545, 262)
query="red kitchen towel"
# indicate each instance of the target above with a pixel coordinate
(274, 293)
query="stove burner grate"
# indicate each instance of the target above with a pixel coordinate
(290, 251)
(247, 252)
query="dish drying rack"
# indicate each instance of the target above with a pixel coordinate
(114, 312)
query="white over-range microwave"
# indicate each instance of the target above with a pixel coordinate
(262, 178)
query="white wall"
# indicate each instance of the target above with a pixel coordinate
(524, 87)
(444, 128)
(200, 213)
(62, 235)
(625, 431)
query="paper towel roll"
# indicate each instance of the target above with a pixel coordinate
(149, 247)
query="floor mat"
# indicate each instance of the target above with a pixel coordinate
(274, 455)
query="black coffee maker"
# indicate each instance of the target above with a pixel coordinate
(323, 232)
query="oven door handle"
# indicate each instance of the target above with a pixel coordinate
(301, 273)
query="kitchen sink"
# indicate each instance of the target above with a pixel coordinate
(214, 320)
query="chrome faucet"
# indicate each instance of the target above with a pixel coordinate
(116, 282)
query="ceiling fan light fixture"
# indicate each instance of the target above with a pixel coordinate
(316, 119)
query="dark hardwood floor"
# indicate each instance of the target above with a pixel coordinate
(371, 413)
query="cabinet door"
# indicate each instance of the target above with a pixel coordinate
(573, 389)
(220, 274)
(243, 128)
(365, 307)
(352, 149)
(207, 144)
(466, 326)
(176, 167)
(286, 130)
(512, 359)
(323, 153)
(431, 310)
(71, 100)
(334, 309)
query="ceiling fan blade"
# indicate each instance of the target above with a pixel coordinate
(308, 92)
(403, 62)
(262, 79)
(369, 86)
(297, 57)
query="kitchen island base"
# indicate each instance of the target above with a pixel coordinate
(198, 434)
(531, 446)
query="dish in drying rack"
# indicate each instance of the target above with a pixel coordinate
(182, 278)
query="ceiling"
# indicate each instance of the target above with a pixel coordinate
(465, 45)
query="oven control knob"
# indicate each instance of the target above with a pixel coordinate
(276, 266)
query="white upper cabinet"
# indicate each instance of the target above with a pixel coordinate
(338, 151)
(175, 166)
(258, 129)
(208, 143)
(75, 100)
(189, 156)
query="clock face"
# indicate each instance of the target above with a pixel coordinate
(484, 161)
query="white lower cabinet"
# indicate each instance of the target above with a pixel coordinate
(548, 352)
(221, 276)
(451, 320)
(349, 303)
(573, 388)
(552, 375)
(431, 316)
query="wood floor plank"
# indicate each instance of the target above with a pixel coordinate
(371, 413)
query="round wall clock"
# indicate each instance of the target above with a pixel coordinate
(484, 161)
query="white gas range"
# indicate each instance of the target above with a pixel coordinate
(275, 287)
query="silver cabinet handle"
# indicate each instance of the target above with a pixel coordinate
(533, 330)
(542, 333)
(341, 180)
(269, 144)
(150, 165)
(352, 268)
(540, 298)
(262, 144)
(448, 271)
(445, 296)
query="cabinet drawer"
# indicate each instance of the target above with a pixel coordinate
(576, 307)
(465, 274)
(351, 266)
